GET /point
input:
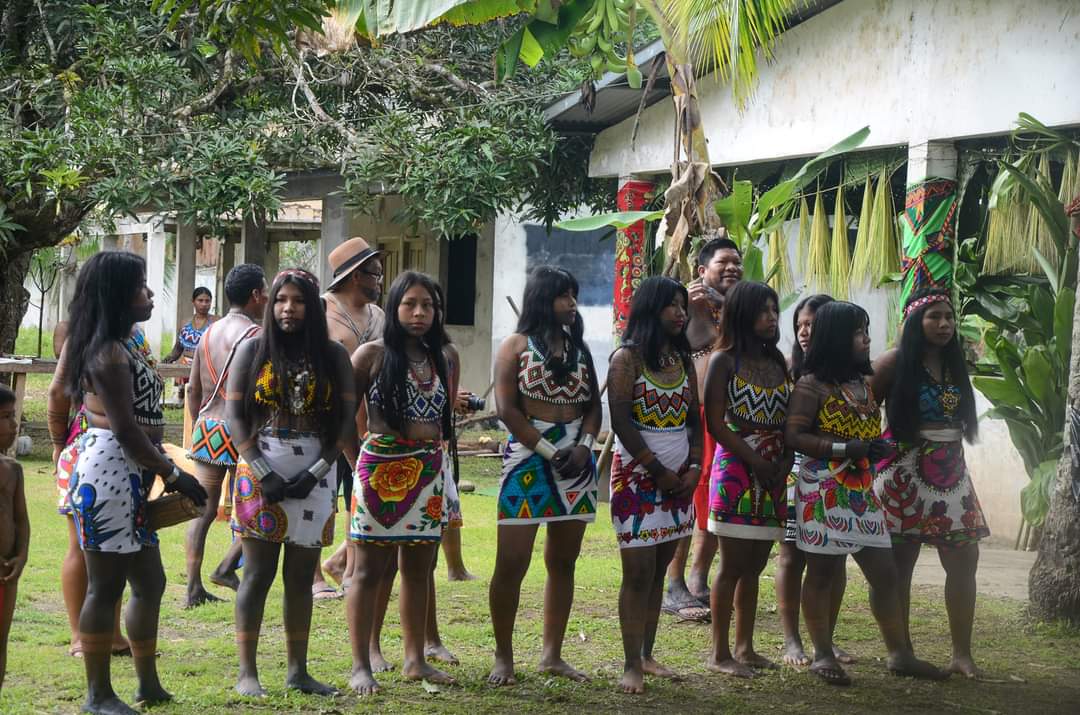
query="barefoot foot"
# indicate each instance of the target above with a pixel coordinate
(108, 706)
(561, 668)
(438, 652)
(227, 579)
(830, 671)
(459, 575)
(909, 666)
(424, 671)
(794, 655)
(632, 681)
(650, 666)
(249, 685)
(755, 660)
(198, 597)
(965, 666)
(363, 683)
(152, 695)
(379, 664)
(503, 672)
(730, 666)
(843, 656)
(308, 685)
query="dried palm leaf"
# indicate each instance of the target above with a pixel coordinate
(860, 258)
(779, 267)
(804, 231)
(817, 265)
(884, 259)
(839, 253)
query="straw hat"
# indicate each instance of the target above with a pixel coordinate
(349, 256)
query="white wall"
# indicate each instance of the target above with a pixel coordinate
(912, 70)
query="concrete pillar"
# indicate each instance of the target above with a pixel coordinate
(155, 279)
(273, 259)
(110, 242)
(334, 232)
(632, 195)
(185, 272)
(931, 159)
(252, 246)
(226, 254)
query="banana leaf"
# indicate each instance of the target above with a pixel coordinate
(617, 219)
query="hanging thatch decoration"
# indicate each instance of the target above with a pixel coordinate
(1038, 233)
(839, 253)
(804, 231)
(817, 264)
(884, 251)
(779, 267)
(860, 258)
(1005, 229)
(1070, 179)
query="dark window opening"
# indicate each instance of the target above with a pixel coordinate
(461, 281)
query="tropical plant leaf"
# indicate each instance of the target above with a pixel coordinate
(1048, 269)
(734, 211)
(1063, 323)
(1039, 376)
(549, 37)
(812, 168)
(618, 219)
(1046, 201)
(753, 264)
(1035, 497)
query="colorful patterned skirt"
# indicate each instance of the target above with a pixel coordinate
(398, 492)
(701, 493)
(532, 492)
(108, 493)
(642, 514)
(739, 505)
(307, 522)
(791, 526)
(211, 443)
(65, 464)
(837, 509)
(451, 496)
(927, 493)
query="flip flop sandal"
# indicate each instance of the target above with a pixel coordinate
(122, 652)
(689, 610)
(327, 593)
(832, 676)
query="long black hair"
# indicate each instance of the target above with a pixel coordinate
(543, 285)
(100, 310)
(392, 380)
(743, 305)
(830, 357)
(644, 333)
(811, 303)
(311, 344)
(909, 374)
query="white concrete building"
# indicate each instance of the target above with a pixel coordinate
(925, 75)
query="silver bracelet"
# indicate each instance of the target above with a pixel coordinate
(260, 467)
(172, 476)
(694, 468)
(545, 449)
(839, 449)
(587, 441)
(320, 468)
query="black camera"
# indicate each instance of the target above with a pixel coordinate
(476, 403)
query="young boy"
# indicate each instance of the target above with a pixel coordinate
(14, 524)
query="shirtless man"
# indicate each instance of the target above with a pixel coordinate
(353, 318)
(719, 267)
(212, 448)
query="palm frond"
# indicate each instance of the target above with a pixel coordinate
(884, 239)
(839, 254)
(779, 268)
(817, 266)
(860, 258)
(723, 36)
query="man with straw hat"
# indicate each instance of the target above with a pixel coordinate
(353, 318)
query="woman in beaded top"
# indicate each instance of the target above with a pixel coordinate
(399, 493)
(926, 489)
(835, 423)
(291, 404)
(652, 394)
(746, 397)
(545, 388)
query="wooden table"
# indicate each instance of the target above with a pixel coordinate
(39, 366)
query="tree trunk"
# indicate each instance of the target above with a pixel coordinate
(14, 298)
(1054, 585)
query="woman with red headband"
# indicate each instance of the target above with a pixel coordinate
(925, 487)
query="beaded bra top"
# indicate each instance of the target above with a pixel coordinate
(843, 416)
(148, 389)
(758, 405)
(660, 407)
(190, 335)
(299, 390)
(938, 401)
(425, 400)
(536, 382)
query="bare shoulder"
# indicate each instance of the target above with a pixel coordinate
(721, 360)
(624, 358)
(10, 469)
(368, 353)
(514, 345)
(887, 360)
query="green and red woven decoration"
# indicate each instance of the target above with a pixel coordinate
(928, 224)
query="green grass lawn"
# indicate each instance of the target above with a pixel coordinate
(1037, 667)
